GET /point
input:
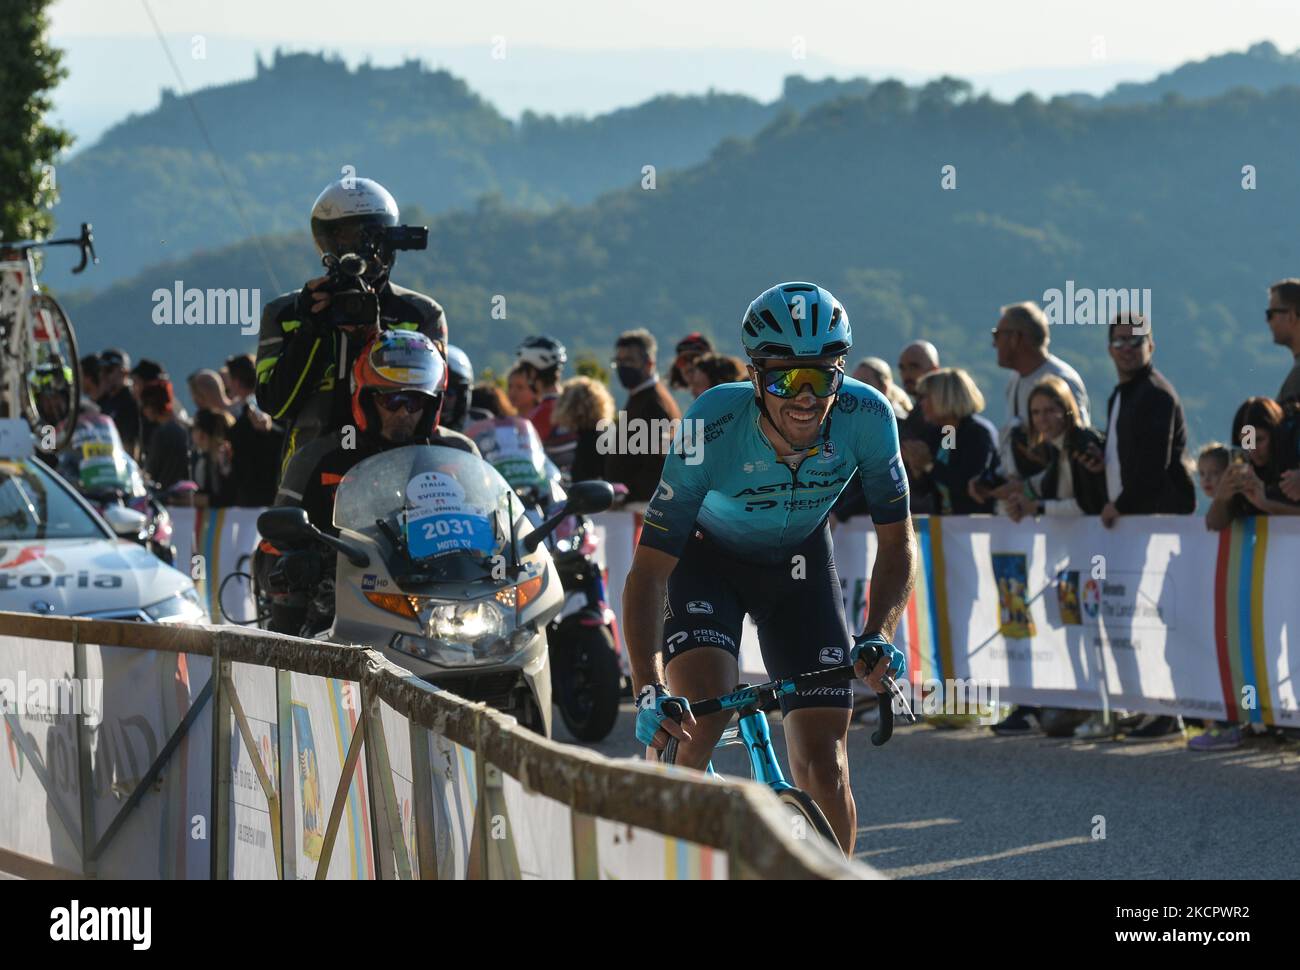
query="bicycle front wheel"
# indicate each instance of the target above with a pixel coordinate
(50, 395)
(806, 816)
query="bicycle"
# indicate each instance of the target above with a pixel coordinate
(752, 703)
(40, 374)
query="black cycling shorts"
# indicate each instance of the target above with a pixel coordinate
(801, 626)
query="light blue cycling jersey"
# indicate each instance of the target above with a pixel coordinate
(750, 503)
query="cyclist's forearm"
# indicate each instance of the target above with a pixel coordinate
(643, 627)
(891, 582)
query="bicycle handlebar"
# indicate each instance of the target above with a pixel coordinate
(789, 685)
(85, 242)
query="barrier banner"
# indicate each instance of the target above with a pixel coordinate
(254, 772)
(147, 695)
(40, 812)
(324, 714)
(1155, 615)
(225, 539)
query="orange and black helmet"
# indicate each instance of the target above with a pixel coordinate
(398, 361)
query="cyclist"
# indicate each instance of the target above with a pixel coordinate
(396, 396)
(542, 360)
(302, 362)
(741, 528)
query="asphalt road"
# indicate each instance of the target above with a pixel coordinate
(966, 804)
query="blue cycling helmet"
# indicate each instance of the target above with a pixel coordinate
(796, 320)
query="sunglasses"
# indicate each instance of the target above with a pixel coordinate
(790, 381)
(1271, 312)
(1127, 341)
(412, 402)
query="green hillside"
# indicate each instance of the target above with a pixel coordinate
(849, 194)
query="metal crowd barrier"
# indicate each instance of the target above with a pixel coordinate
(235, 777)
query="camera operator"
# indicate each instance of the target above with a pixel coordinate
(310, 339)
(396, 399)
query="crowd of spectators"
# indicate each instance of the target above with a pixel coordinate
(1046, 458)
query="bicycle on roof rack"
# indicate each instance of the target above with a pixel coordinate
(40, 377)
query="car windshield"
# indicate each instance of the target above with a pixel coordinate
(437, 504)
(35, 506)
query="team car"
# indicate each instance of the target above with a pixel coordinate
(58, 556)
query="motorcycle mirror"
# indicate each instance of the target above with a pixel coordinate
(588, 498)
(585, 498)
(287, 525)
(125, 522)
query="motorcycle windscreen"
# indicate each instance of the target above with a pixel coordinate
(513, 447)
(445, 506)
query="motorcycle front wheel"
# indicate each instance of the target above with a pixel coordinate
(587, 679)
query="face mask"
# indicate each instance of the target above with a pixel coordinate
(630, 377)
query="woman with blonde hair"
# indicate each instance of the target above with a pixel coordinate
(968, 443)
(1057, 440)
(583, 405)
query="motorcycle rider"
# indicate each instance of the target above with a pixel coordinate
(457, 410)
(396, 395)
(303, 362)
(542, 359)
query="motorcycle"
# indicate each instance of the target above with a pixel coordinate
(585, 660)
(97, 465)
(437, 567)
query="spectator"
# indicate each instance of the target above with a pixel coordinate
(585, 408)
(874, 371)
(1211, 463)
(488, 397)
(1068, 484)
(89, 383)
(207, 391)
(1283, 316)
(143, 374)
(710, 370)
(915, 361)
(852, 501)
(689, 349)
(649, 405)
(1146, 432)
(116, 400)
(167, 453)
(211, 454)
(520, 391)
(256, 444)
(1021, 338)
(952, 403)
(1252, 483)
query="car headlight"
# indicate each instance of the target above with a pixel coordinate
(183, 607)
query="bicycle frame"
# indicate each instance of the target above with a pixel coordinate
(752, 729)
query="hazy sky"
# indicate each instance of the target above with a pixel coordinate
(636, 48)
(938, 35)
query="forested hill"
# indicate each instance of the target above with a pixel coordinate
(154, 193)
(850, 194)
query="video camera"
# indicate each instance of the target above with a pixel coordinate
(353, 300)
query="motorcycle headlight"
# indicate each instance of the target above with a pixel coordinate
(466, 634)
(183, 607)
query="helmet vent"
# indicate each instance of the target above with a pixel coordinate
(770, 320)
